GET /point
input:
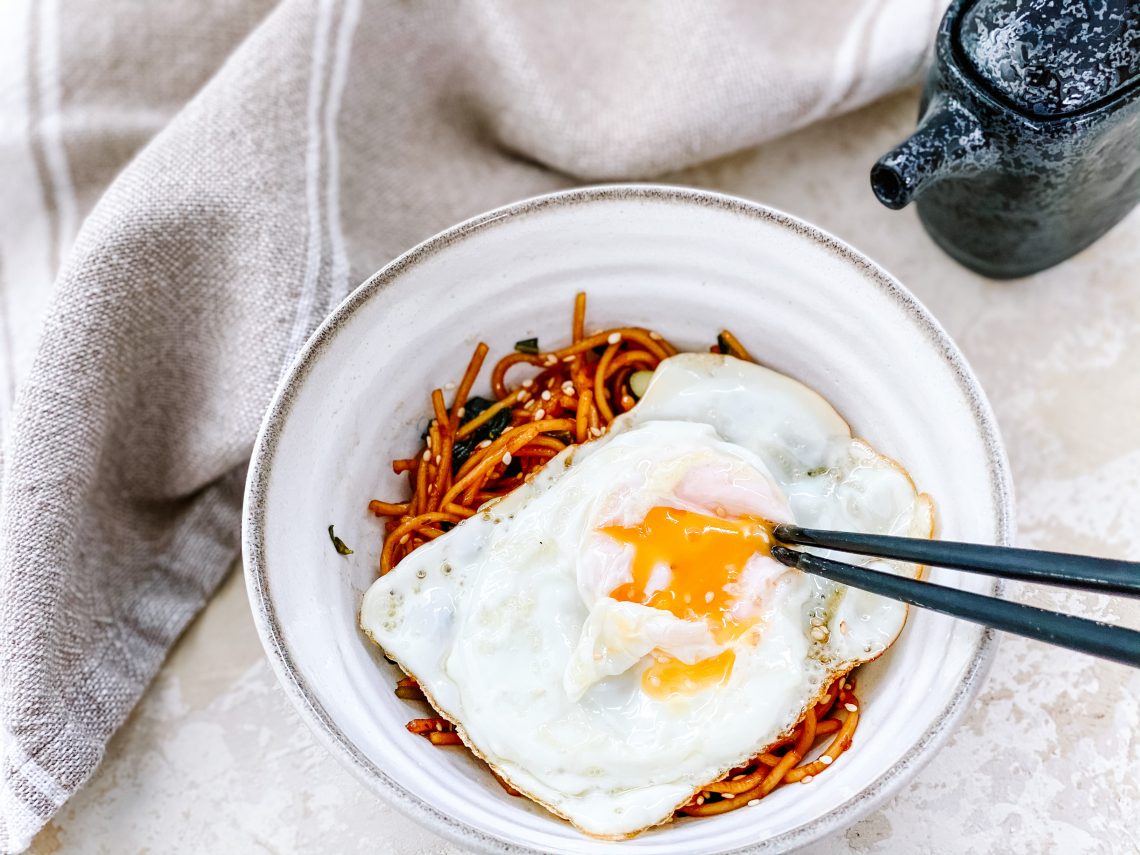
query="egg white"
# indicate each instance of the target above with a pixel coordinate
(506, 623)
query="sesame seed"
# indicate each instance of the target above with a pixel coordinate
(484, 444)
(656, 336)
(736, 777)
(438, 459)
(826, 759)
(439, 727)
(527, 383)
(569, 358)
(447, 387)
(595, 431)
(851, 708)
(700, 800)
(461, 412)
(709, 596)
(568, 388)
(848, 686)
(614, 338)
(753, 802)
(728, 795)
(546, 394)
(507, 459)
(539, 413)
(404, 539)
(806, 779)
(426, 456)
(550, 360)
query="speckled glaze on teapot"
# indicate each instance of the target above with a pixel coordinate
(1028, 143)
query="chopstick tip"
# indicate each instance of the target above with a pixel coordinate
(786, 532)
(788, 557)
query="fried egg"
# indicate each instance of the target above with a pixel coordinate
(614, 635)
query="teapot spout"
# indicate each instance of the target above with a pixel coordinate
(947, 142)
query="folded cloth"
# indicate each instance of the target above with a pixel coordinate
(236, 169)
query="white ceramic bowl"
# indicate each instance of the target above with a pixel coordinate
(686, 263)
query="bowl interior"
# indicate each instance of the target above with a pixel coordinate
(684, 263)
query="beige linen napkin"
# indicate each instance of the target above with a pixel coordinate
(236, 169)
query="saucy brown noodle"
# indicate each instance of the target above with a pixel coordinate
(577, 392)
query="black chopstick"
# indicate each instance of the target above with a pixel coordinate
(1087, 636)
(1027, 565)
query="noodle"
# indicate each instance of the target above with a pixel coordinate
(575, 395)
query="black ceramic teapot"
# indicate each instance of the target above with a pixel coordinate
(1028, 143)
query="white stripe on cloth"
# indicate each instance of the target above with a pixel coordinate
(26, 225)
(22, 821)
(845, 65)
(25, 228)
(30, 770)
(51, 127)
(307, 299)
(343, 52)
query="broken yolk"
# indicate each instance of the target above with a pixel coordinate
(670, 676)
(684, 562)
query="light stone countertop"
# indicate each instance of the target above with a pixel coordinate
(214, 759)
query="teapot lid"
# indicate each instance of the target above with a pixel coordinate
(1051, 57)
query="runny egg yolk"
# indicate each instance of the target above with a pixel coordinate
(685, 563)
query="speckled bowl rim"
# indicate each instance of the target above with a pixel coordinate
(265, 448)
